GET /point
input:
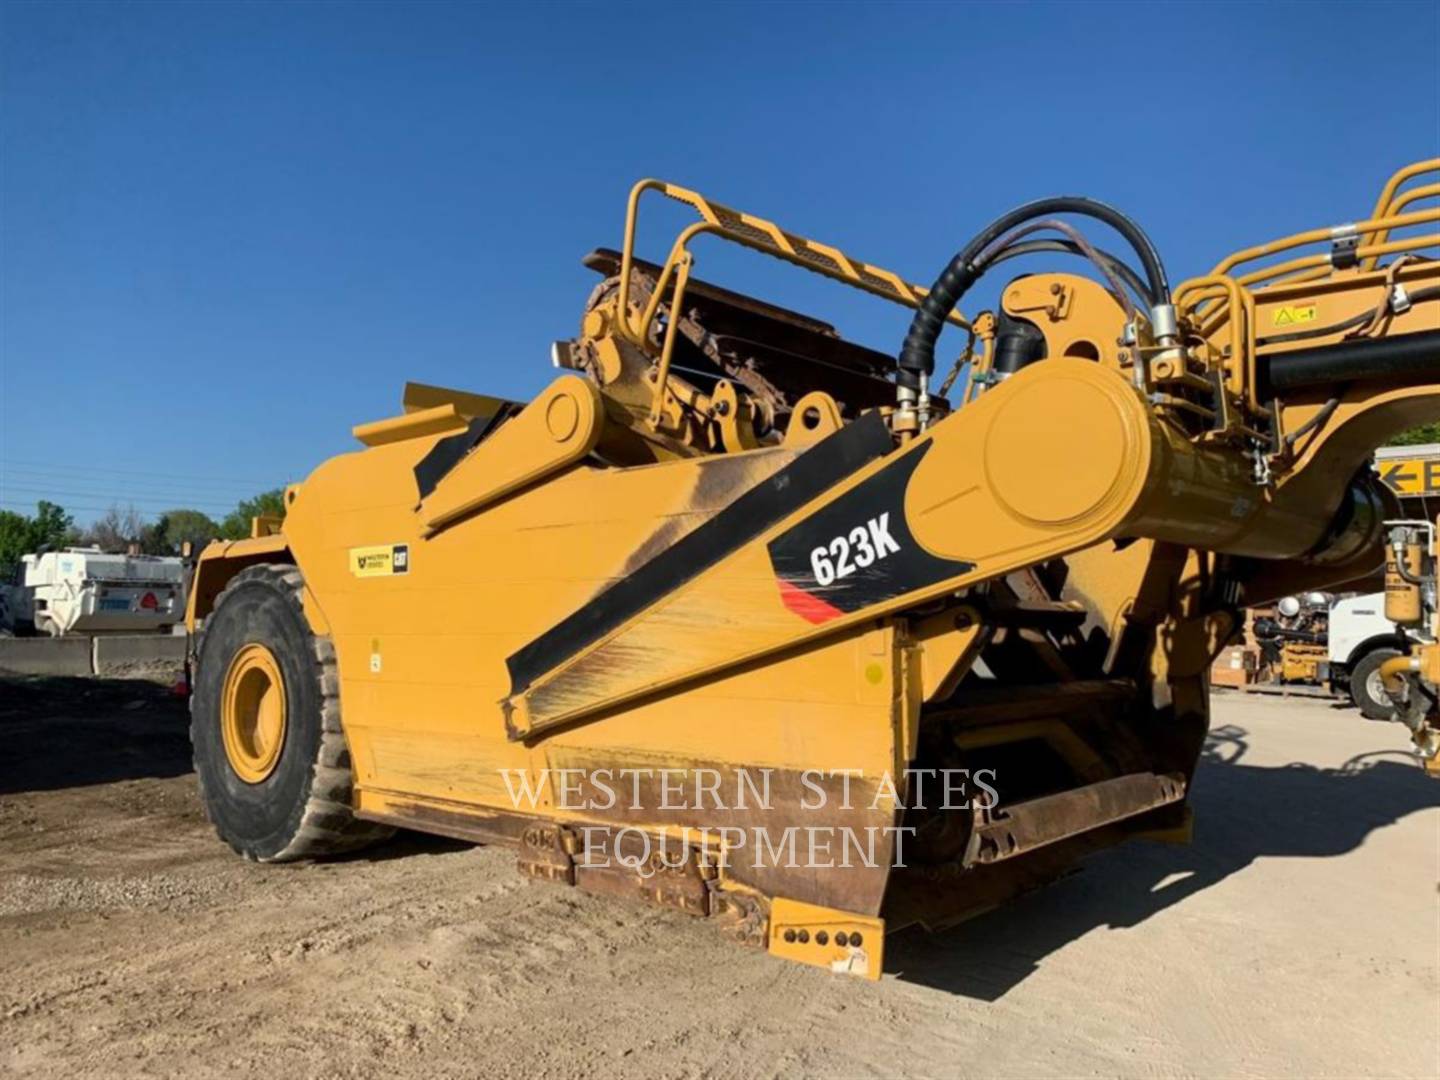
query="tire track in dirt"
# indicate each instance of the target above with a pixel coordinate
(133, 944)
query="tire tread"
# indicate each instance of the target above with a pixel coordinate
(327, 824)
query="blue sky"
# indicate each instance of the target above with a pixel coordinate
(229, 233)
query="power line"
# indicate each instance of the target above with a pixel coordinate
(51, 493)
(112, 475)
(157, 486)
(68, 507)
(123, 494)
(114, 489)
(53, 467)
(78, 486)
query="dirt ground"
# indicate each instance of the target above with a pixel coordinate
(1298, 936)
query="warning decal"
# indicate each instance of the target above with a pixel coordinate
(380, 560)
(1294, 314)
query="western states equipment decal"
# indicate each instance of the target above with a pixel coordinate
(380, 560)
(858, 550)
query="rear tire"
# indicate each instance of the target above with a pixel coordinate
(280, 789)
(1366, 689)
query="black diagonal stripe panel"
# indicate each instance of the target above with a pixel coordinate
(880, 498)
(819, 468)
(451, 450)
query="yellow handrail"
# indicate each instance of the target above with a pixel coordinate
(1397, 203)
(1315, 236)
(1309, 268)
(760, 235)
(1410, 243)
(1385, 204)
(1242, 331)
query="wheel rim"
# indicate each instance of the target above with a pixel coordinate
(252, 713)
(1375, 687)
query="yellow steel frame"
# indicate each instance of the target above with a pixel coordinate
(1314, 267)
(749, 231)
(1374, 233)
(1211, 298)
(1242, 330)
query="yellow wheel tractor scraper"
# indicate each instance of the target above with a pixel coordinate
(745, 619)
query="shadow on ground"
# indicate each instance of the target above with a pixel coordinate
(64, 733)
(404, 845)
(1242, 812)
(79, 732)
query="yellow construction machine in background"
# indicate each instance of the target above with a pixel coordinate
(731, 582)
(1411, 604)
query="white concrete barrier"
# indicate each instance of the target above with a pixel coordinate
(45, 656)
(116, 654)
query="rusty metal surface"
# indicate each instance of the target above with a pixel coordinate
(1006, 832)
(862, 812)
(742, 917)
(776, 354)
(606, 262)
(719, 481)
(547, 852)
(479, 825)
(620, 863)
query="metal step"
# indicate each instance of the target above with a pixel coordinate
(1006, 832)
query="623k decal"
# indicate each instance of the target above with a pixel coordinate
(858, 550)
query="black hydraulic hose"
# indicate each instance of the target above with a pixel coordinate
(1122, 270)
(917, 355)
(1363, 360)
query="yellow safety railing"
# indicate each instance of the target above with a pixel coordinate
(1372, 236)
(749, 231)
(1389, 204)
(1377, 226)
(1192, 293)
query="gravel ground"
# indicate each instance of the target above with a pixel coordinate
(1297, 936)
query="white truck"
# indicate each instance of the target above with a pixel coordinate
(86, 591)
(1360, 640)
(1360, 637)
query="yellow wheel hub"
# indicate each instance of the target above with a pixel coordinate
(252, 713)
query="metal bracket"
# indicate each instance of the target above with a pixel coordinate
(1261, 472)
(1399, 299)
(1344, 246)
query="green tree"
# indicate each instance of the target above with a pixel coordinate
(236, 525)
(1425, 433)
(169, 533)
(51, 527)
(14, 541)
